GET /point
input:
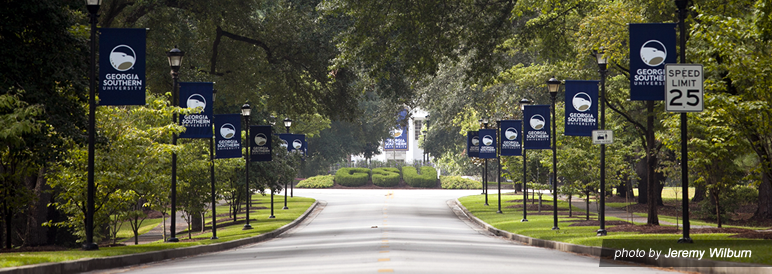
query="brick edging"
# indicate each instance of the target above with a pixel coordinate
(702, 266)
(91, 264)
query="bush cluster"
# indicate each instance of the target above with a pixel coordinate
(427, 178)
(456, 182)
(386, 176)
(352, 176)
(322, 181)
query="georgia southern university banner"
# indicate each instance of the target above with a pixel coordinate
(261, 143)
(581, 107)
(472, 144)
(537, 127)
(294, 142)
(651, 47)
(193, 95)
(122, 67)
(398, 133)
(227, 139)
(487, 143)
(511, 138)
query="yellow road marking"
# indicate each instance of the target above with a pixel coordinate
(384, 251)
(384, 259)
(386, 270)
(384, 246)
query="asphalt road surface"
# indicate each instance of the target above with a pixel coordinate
(383, 231)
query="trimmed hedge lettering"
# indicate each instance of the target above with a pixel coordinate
(427, 178)
(352, 176)
(386, 176)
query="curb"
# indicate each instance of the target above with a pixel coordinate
(91, 264)
(691, 265)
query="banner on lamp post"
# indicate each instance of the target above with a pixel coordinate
(487, 143)
(294, 142)
(196, 95)
(581, 107)
(511, 139)
(399, 134)
(651, 47)
(260, 137)
(536, 133)
(472, 144)
(122, 66)
(227, 136)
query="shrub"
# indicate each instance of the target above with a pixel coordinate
(322, 181)
(456, 182)
(386, 176)
(352, 176)
(427, 178)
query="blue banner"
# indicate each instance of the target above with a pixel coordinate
(260, 138)
(227, 136)
(511, 139)
(487, 143)
(122, 67)
(194, 95)
(399, 134)
(581, 107)
(651, 47)
(537, 127)
(472, 144)
(294, 142)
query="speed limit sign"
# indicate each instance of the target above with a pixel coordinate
(683, 88)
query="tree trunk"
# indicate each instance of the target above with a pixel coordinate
(569, 207)
(35, 233)
(764, 210)
(651, 163)
(643, 187)
(8, 217)
(700, 192)
(587, 204)
(717, 197)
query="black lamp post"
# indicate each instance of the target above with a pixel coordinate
(524, 102)
(211, 174)
(553, 85)
(603, 69)
(287, 124)
(498, 163)
(246, 111)
(681, 4)
(175, 60)
(93, 8)
(424, 156)
(485, 175)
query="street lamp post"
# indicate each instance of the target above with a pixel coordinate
(524, 102)
(175, 60)
(681, 4)
(485, 175)
(211, 174)
(553, 85)
(287, 124)
(93, 8)
(603, 69)
(246, 111)
(498, 163)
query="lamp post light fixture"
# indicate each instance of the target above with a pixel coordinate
(287, 124)
(211, 175)
(602, 59)
(553, 85)
(524, 102)
(246, 111)
(175, 60)
(93, 8)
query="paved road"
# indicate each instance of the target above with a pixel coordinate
(372, 231)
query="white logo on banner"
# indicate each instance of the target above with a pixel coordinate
(537, 122)
(487, 140)
(196, 100)
(260, 139)
(653, 53)
(582, 102)
(475, 141)
(227, 131)
(511, 134)
(122, 58)
(297, 144)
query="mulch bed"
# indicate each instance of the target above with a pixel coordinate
(596, 223)
(535, 207)
(647, 229)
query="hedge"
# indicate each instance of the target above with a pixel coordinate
(456, 182)
(427, 178)
(321, 181)
(386, 176)
(352, 176)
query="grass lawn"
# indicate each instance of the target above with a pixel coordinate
(540, 226)
(126, 234)
(259, 221)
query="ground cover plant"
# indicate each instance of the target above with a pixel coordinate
(457, 182)
(321, 181)
(539, 226)
(227, 230)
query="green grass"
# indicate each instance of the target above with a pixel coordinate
(540, 226)
(125, 231)
(259, 221)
